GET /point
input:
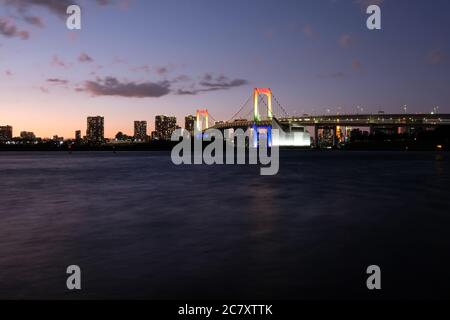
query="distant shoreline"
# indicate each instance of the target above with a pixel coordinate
(168, 145)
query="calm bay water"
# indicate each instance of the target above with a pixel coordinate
(140, 227)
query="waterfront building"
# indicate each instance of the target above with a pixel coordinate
(6, 133)
(189, 123)
(140, 130)
(78, 136)
(95, 132)
(164, 127)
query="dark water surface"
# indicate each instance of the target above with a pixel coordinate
(140, 227)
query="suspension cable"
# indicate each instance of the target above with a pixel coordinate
(212, 118)
(243, 106)
(279, 104)
(261, 99)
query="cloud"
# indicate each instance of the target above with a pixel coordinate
(104, 2)
(365, 3)
(162, 70)
(437, 57)
(58, 62)
(144, 68)
(180, 85)
(337, 75)
(356, 64)
(182, 78)
(269, 34)
(184, 92)
(358, 67)
(57, 81)
(346, 40)
(110, 86)
(210, 83)
(308, 31)
(57, 7)
(84, 57)
(10, 30)
(35, 21)
(44, 89)
(221, 82)
(125, 4)
(8, 73)
(334, 75)
(165, 70)
(118, 60)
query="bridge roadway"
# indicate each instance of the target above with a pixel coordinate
(363, 120)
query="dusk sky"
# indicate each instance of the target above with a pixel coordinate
(134, 59)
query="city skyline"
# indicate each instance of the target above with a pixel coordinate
(95, 128)
(315, 55)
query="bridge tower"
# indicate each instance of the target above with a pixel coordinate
(202, 114)
(256, 93)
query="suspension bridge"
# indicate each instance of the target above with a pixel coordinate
(289, 134)
(293, 129)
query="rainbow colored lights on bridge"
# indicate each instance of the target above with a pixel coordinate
(202, 114)
(256, 93)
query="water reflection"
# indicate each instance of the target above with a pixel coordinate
(141, 227)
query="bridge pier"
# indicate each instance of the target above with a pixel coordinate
(316, 136)
(335, 140)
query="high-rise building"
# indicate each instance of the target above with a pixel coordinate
(189, 123)
(6, 133)
(140, 130)
(165, 126)
(78, 136)
(95, 132)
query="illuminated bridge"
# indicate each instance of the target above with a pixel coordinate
(293, 130)
(372, 120)
(289, 134)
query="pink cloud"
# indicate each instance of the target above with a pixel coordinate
(58, 62)
(346, 40)
(356, 65)
(9, 29)
(125, 4)
(437, 57)
(84, 57)
(308, 31)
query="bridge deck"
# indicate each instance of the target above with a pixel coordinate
(351, 120)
